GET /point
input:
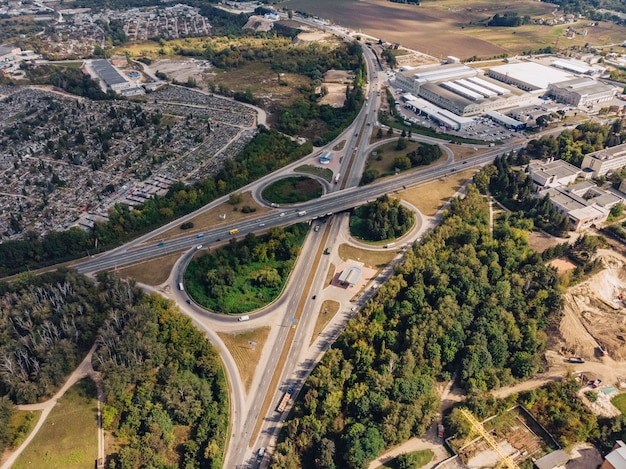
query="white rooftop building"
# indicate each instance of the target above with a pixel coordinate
(529, 76)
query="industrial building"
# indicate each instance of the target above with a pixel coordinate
(506, 121)
(442, 116)
(529, 76)
(578, 67)
(350, 276)
(109, 74)
(604, 161)
(581, 92)
(460, 89)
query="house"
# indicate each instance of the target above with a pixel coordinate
(616, 459)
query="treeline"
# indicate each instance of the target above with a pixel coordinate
(245, 275)
(590, 7)
(47, 325)
(514, 189)
(573, 145)
(383, 219)
(462, 301)
(166, 394)
(268, 151)
(509, 19)
(68, 79)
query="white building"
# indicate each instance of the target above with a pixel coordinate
(529, 76)
(553, 174)
(604, 161)
(582, 92)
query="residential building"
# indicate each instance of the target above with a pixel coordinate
(616, 459)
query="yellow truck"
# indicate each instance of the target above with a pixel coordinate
(234, 231)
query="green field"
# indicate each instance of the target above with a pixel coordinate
(619, 401)
(417, 458)
(68, 438)
(292, 190)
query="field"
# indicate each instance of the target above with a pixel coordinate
(68, 439)
(152, 272)
(421, 458)
(381, 159)
(245, 355)
(455, 27)
(372, 259)
(325, 173)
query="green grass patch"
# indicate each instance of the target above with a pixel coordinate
(381, 158)
(21, 423)
(415, 460)
(292, 190)
(619, 401)
(245, 275)
(69, 437)
(325, 173)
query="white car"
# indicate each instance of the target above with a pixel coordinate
(282, 214)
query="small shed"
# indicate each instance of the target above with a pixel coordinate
(554, 460)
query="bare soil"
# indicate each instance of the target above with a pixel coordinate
(562, 265)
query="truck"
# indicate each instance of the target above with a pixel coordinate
(302, 213)
(234, 231)
(282, 405)
(180, 286)
(337, 176)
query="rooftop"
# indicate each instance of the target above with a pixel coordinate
(107, 72)
(534, 74)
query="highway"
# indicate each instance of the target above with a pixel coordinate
(346, 194)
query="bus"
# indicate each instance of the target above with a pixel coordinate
(234, 231)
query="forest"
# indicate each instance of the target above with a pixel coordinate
(166, 398)
(166, 393)
(268, 151)
(380, 220)
(469, 300)
(245, 275)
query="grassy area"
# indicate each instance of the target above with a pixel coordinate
(292, 190)
(326, 313)
(245, 355)
(372, 259)
(152, 272)
(330, 274)
(325, 173)
(430, 197)
(419, 459)
(21, 423)
(69, 438)
(211, 218)
(339, 146)
(381, 158)
(619, 401)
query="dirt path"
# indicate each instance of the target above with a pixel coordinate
(82, 371)
(409, 446)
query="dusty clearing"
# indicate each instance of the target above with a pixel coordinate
(562, 265)
(182, 70)
(153, 272)
(540, 241)
(335, 82)
(326, 313)
(594, 314)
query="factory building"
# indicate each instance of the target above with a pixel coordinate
(581, 92)
(442, 116)
(109, 75)
(506, 121)
(529, 76)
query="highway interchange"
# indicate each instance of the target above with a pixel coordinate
(246, 410)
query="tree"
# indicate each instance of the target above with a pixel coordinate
(379, 133)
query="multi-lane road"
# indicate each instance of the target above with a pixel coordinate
(246, 410)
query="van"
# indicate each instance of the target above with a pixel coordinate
(244, 318)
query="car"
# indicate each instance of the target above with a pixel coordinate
(576, 360)
(282, 214)
(317, 228)
(313, 297)
(188, 302)
(161, 244)
(262, 224)
(199, 246)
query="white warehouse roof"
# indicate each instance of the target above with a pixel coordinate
(534, 74)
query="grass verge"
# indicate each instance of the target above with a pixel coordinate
(324, 173)
(153, 272)
(245, 355)
(68, 439)
(371, 259)
(327, 312)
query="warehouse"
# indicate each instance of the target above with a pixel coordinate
(529, 76)
(442, 116)
(582, 92)
(506, 121)
(109, 74)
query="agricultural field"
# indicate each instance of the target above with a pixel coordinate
(455, 27)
